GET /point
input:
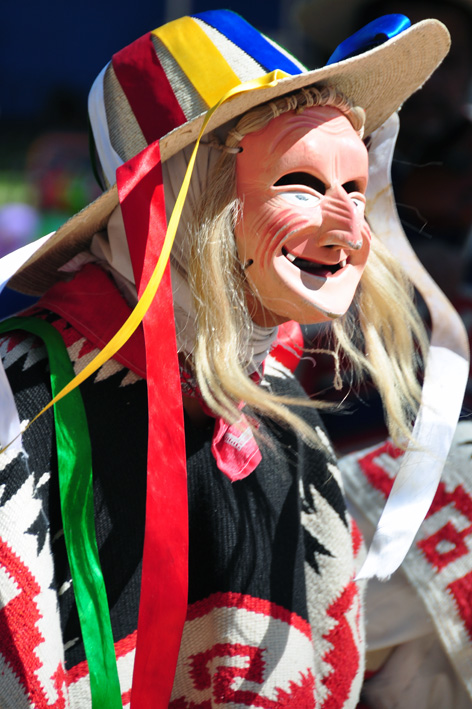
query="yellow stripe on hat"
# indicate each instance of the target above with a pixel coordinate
(199, 59)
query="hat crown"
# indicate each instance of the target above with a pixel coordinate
(173, 74)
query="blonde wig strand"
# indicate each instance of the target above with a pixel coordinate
(391, 330)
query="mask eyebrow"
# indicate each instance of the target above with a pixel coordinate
(302, 178)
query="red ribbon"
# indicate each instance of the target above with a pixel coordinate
(164, 584)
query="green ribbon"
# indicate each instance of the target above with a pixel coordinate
(76, 494)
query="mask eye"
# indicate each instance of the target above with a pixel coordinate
(351, 188)
(358, 202)
(300, 199)
(302, 178)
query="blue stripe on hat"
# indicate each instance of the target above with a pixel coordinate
(247, 38)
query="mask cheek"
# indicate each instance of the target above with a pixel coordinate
(246, 229)
(254, 237)
(366, 244)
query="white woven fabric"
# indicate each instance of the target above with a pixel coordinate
(10, 429)
(425, 606)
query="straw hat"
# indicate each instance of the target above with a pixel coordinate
(161, 86)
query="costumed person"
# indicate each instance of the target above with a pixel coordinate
(225, 574)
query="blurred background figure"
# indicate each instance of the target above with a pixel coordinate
(19, 224)
(415, 661)
(45, 166)
(432, 168)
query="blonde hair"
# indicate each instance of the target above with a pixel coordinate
(390, 328)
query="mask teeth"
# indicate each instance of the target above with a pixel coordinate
(290, 257)
(294, 259)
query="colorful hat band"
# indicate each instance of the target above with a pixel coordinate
(177, 72)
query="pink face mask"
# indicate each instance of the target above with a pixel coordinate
(302, 237)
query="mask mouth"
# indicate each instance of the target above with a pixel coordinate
(313, 268)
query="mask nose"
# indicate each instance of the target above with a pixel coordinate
(342, 220)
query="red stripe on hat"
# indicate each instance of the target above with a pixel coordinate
(147, 89)
(163, 601)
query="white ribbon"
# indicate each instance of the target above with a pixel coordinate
(445, 379)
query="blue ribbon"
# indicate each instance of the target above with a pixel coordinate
(372, 35)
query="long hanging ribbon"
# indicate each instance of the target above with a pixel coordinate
(76, 496)
(163, 600)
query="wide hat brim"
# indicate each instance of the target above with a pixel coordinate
(379, 80)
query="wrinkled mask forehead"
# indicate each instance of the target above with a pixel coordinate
(313, 139)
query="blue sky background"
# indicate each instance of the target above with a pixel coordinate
(61, 45)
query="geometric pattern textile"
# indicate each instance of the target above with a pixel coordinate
(274, 617)
(439, 564)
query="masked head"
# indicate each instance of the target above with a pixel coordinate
(302, 237)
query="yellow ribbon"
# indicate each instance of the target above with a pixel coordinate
(142, 306)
